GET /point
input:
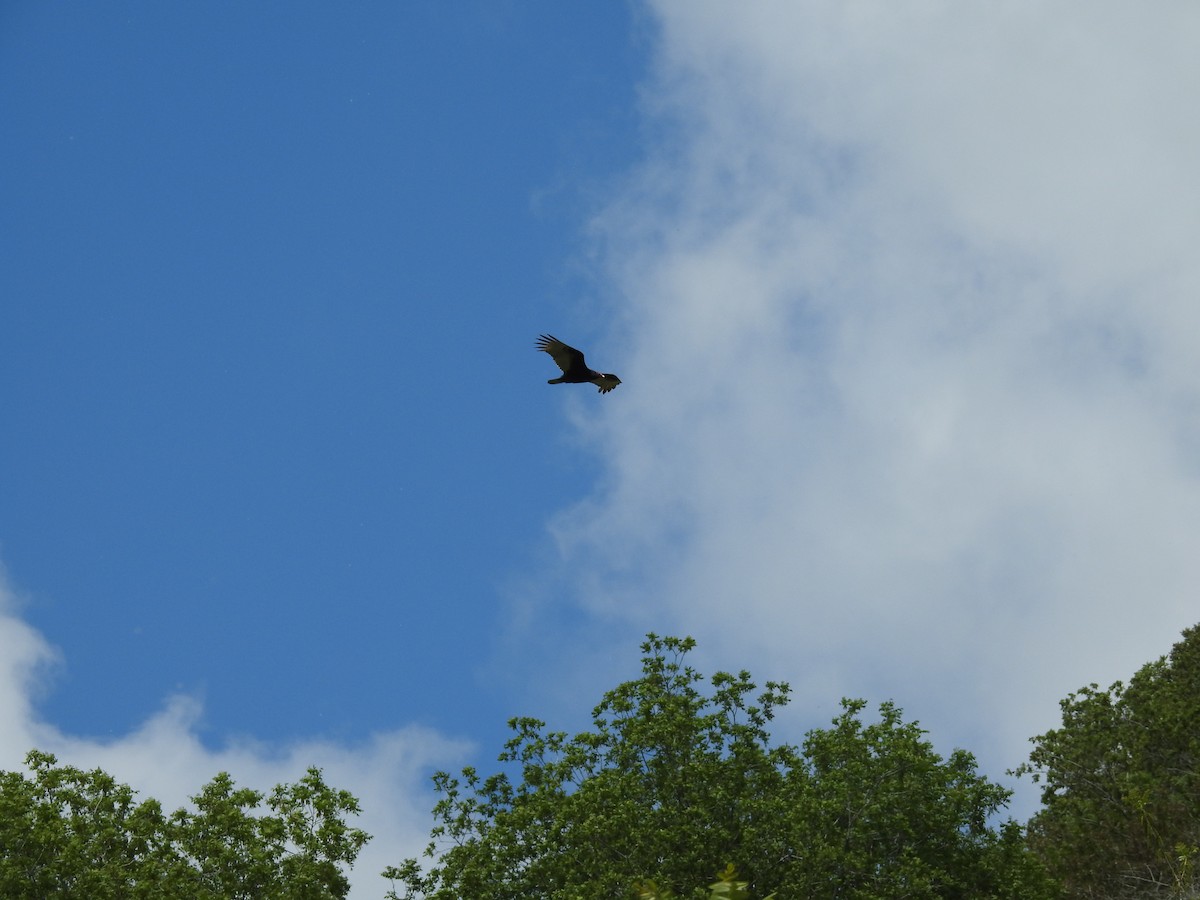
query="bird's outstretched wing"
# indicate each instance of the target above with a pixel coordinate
(568, 358)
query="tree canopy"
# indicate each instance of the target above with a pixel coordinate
(674, 783)
(1121, 795)
(676, 791)
(68, 833)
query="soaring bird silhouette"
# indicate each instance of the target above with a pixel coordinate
(575, 370)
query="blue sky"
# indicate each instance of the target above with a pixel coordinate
(278, 427)
(903, 305)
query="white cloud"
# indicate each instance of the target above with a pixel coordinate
(164, 757)
(910, 407)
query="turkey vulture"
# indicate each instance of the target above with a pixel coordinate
(575, 370)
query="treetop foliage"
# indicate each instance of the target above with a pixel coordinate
(67, 833)
(673, 782)
(675, 792)
(1121, 795)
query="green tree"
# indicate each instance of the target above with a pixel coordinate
(877, 813)
(67, 833)
(674, 783)
(726, 887)
(1121, 795)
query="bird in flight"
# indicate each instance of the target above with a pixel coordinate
(575, 370)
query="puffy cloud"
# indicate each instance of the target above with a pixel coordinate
(165, 758)
(914, 353)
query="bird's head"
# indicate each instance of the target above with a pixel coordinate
(606, 382)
